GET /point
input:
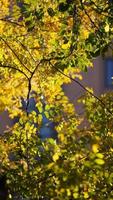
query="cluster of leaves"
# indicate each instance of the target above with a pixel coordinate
(77, 166)
(40, 41)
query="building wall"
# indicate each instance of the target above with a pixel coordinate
(5, 122)
(94, 78)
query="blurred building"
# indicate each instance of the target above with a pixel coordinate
(99, 78)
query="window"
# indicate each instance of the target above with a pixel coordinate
(109, 72)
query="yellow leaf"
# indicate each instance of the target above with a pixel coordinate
(99, 161)
(95, 148)
(75, 195)
(50, 165)
(107, 28)
(99, 155)
(24, 163)
(55, 157)
(62, 190)
(10, 196)
(68, 192)
(85, 34)
(61, 136)
(86, 195)
(66, 46)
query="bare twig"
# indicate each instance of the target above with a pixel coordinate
(82, 86)
(87, 14)
(74, 36)
(28, 94)
(15, 55)
(14, 68)
(11, 22)
(26, 49)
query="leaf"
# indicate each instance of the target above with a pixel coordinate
(95, 148)
(55, 157)
(99, 155)
(51, 12)
(86, 195)
(65, 46)
(85, 34)
(107, 28)
(99, 161)
(68, 192)
(75, 195)
(63, 7)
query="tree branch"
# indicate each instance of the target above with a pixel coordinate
(11, 22)
(25, 48)
(82, 86)
(28, 95)
(14, 68)
(15, 55)
(101, 33)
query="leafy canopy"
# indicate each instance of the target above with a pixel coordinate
(40, 41)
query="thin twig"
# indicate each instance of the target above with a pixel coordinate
(36, 68)
(101, 33)
(82, 86)
(14, 68)
(11, 22)
(28, 95)
(25, 48)
(74, 36)
(29, 85)
(15, 54)
(87, 14)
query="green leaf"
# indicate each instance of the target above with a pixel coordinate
(100, 155)
(63, 7)
(51, 12)
(99, 161)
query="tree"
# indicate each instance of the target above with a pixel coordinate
(43, 45)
